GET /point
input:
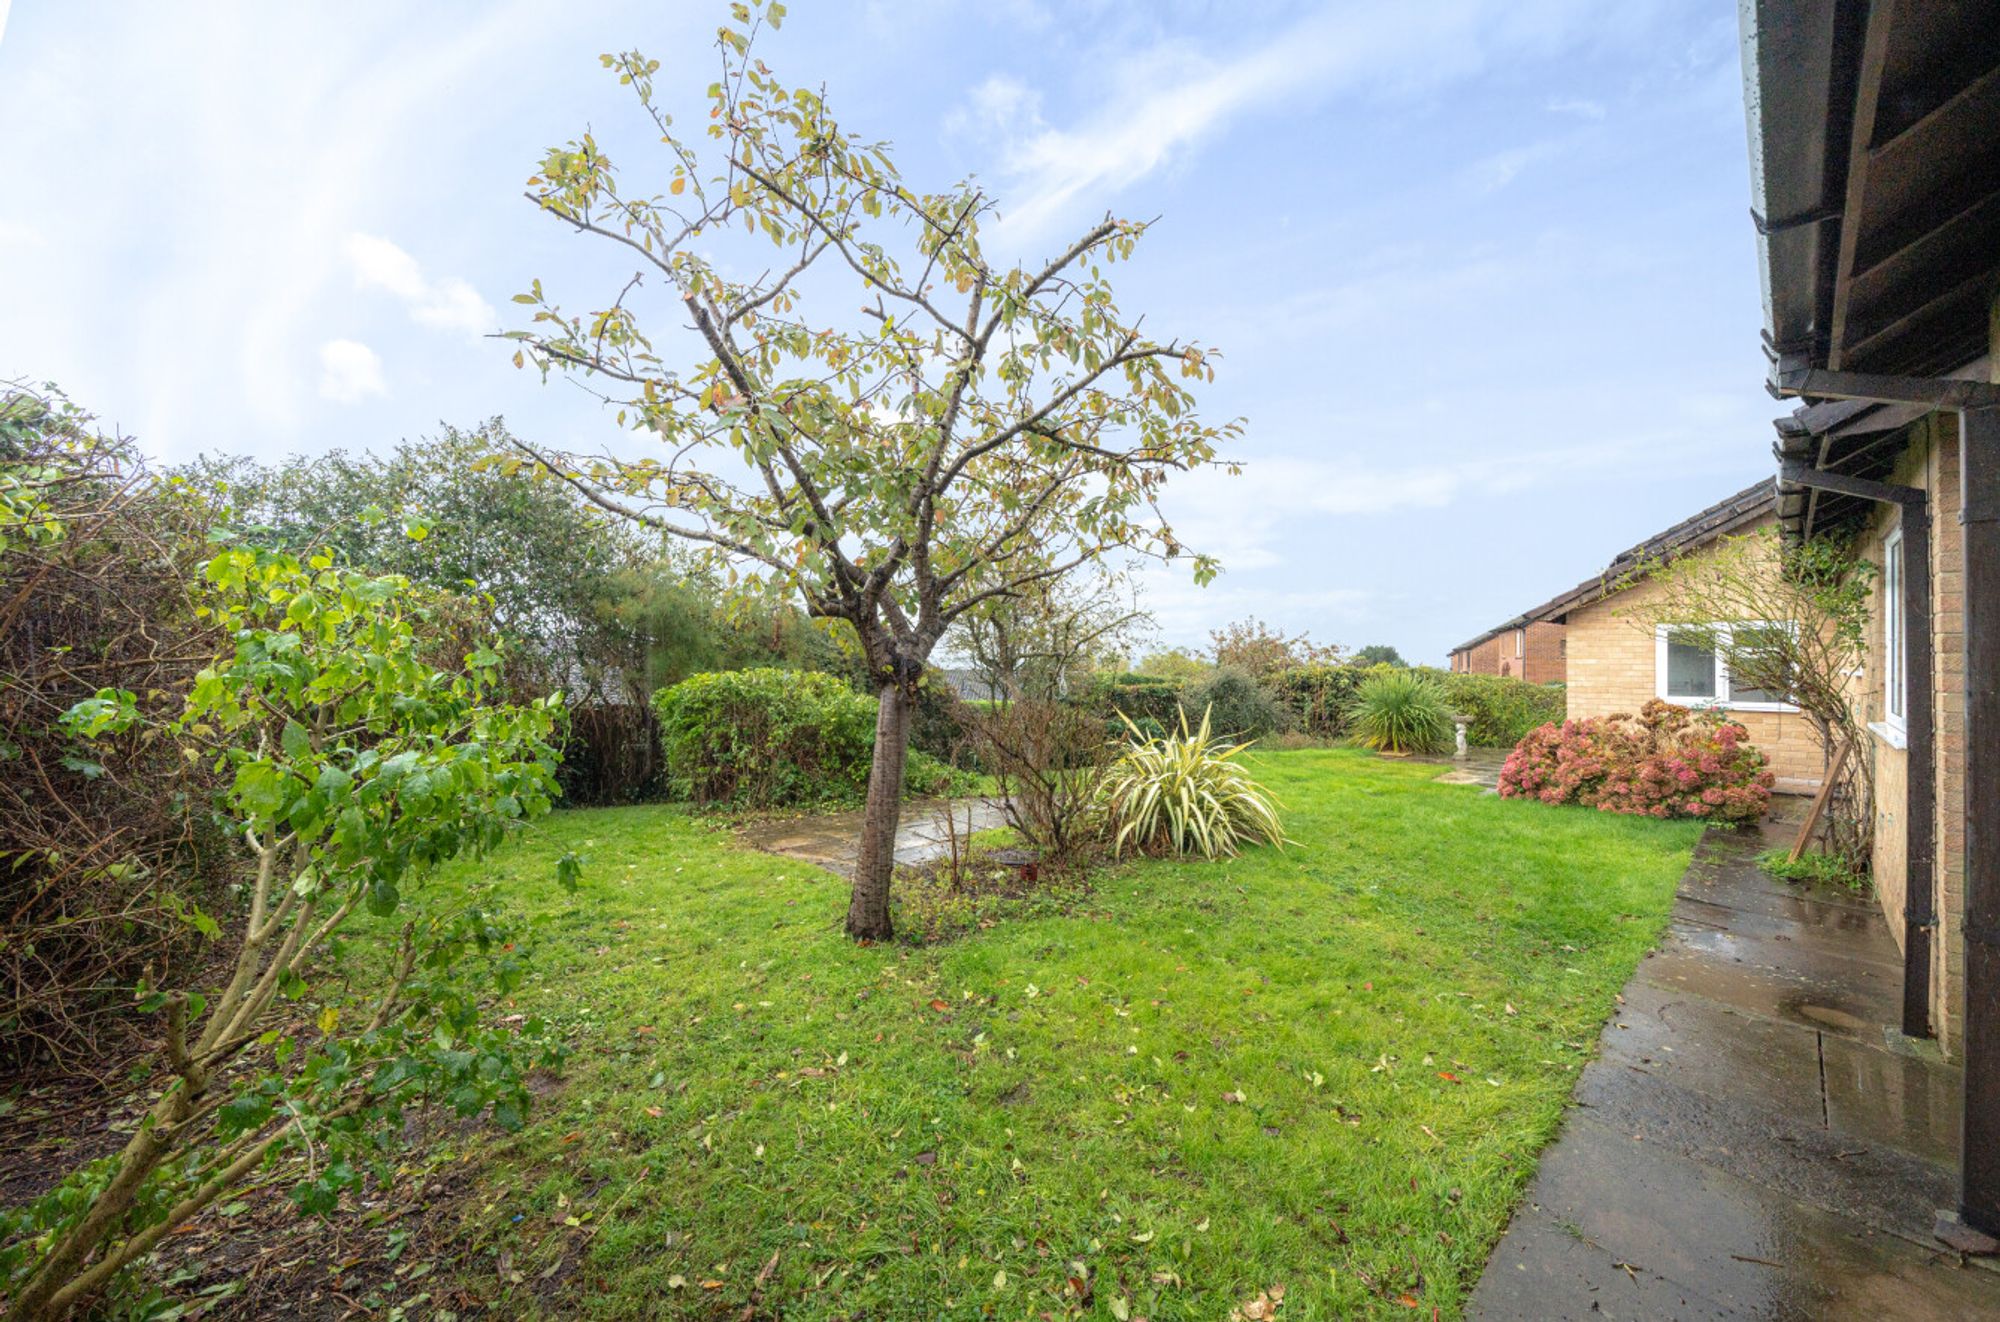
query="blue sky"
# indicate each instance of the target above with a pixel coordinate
(1482, 273)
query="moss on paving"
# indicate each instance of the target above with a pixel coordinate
(1327, 1068)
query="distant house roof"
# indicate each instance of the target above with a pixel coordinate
(1737, 512)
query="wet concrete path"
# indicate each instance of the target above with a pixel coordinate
(829, 840)
(1755, 1139)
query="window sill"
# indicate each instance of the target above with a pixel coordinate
(1710, 704)
(1889, 734)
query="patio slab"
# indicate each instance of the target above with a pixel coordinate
(829, 840)
(1754, 1139)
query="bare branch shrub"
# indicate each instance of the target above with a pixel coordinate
(1049, 759)
(1816, 594)
(105, 856)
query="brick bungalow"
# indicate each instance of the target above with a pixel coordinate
(1528, 649)
(1614, 663)
(1875, 175)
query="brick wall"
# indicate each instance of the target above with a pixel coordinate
(1535, 654)
(1931, 462)
(1612, 667)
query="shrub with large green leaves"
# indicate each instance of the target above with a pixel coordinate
(352, 765)
(1186, 793)
(1400, 711)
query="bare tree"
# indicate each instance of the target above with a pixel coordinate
(1036, 642)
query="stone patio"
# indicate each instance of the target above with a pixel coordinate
(829, 839)
(1755, 1139)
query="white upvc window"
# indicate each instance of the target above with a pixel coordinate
(1520, 642)
(1689, 673)
(1895, 647)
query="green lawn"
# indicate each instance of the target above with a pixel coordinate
(1327, 1069)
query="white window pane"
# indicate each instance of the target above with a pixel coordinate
(1894, 684)
(1690, 669)
(1749, 638)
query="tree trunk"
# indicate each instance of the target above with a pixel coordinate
(868, 910)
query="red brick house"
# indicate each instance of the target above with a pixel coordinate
(1534, 650)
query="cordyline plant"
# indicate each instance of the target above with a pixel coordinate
(1187, 794)
(979, 429)
(353, 767)
(1812, 603)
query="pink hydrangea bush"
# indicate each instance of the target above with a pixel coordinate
(1667, 761)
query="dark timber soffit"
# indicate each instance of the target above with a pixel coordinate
(1719, 520)
(1875, 180)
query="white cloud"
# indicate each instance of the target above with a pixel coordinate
(1495, 172)
(1163, 99)
(350, 372)
(449, 304)
(1580, 106)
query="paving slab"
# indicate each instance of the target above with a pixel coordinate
(1788, 1152)
(1698, 1044)
(1839, 1001)
(1706, 1243)
(1908, 1099)
(1755, 1138)
(829, 840)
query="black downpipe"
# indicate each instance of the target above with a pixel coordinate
(1920, 730)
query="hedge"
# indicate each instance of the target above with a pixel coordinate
(1501, 710)
(765, 738)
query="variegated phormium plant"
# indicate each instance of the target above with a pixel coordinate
(1186, 793)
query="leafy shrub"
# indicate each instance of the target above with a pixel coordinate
(355, 765)
(1666, 762)
(1186, 793)
(929, 777)
(1400, 711)
(765, 738)
(1237, 705)
(1501, 709)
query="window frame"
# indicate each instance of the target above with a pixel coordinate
(1895, 634)
(1661, 636)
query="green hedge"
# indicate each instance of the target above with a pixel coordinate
(1318, 696)
(1503, 709)
(1315, 701)
(1151, 701)
(765, 738)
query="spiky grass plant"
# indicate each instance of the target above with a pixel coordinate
(1186, 794)
(1400, 712)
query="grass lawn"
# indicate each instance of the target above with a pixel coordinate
(1327, 1068)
